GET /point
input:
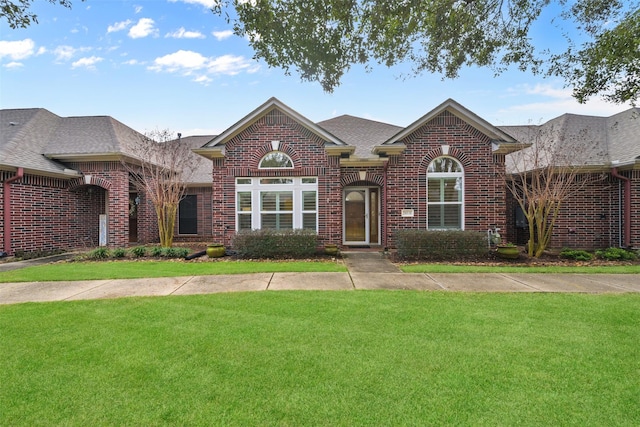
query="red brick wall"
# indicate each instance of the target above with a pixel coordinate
(243, 154)
(484, 192)
(116, 178)
(40, 215)
(591, 218)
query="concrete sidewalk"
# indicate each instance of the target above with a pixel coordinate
(11, 293)
(366, 270)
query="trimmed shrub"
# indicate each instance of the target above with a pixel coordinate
(99, 253)
(138, 251)
(440, 245)
(156, 251)
(275, 243)
(174, 252)
(119, 253)
(616, 254)
(576, 255)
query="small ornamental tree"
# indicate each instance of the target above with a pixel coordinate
(554, 168)
(161, 170)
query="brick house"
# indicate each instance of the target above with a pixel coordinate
(64, 185)
(354, 181)
(606, 212)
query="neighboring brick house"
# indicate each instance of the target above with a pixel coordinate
(64, 185)
(606, 212)
(356, 181)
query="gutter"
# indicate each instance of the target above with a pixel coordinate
(627, 206)
(6, 186)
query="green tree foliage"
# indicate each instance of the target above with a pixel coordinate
(17, 12)
(322, 39)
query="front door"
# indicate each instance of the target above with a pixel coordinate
(361, 216)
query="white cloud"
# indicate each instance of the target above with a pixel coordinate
(203, 79)
(119, 26)
(14, 65)
(221, 35)
(89, 62)
(132, 62)
(17, 50)
(144, 27)
(41, 50)
(184, 34)
(182, 60)
(137, 9)
(229, 64)
(206, 3)
(188, 62)
(64, 53)
(552, 100)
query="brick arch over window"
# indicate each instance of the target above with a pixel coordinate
(453, 152)
(354, 177)
(89, 180)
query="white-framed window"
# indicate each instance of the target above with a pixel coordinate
(277, 203)
(276, 160)
(445, 194)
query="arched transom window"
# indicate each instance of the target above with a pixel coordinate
(276, 160)
(445, 194)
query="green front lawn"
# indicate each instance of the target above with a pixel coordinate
(140, 269)
(323, 358)
(557, 269)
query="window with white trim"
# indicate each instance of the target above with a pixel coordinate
(277, 203)
(445, 194)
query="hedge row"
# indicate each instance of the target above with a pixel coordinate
(275, 243)
(440, 245)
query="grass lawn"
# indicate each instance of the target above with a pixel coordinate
(139, 269)
(323, 358)
(557, 269)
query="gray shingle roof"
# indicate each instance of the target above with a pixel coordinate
(363, 134)
(202, 174)
(23, 135)
(590, 140)
(92, 135)
(33, 138)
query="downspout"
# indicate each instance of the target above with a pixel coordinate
(627, 206)
(386, 206)
(6, 185)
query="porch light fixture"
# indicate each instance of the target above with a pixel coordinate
(137, 200)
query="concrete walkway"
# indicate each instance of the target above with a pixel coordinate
(370, 271)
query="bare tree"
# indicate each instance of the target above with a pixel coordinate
(163, 168)
(556, 166)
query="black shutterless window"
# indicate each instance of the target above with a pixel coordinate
(188, 215)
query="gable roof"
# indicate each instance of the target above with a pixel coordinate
(501, 141)
(363, 134)
(214, 148)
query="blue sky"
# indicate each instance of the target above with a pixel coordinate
(173, 64)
